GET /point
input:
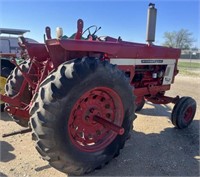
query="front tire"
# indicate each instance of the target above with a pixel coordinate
(62, 123)
(183, 112)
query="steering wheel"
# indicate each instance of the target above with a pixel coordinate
(89, 28)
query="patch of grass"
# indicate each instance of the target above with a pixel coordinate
(187, 72)
(189, 68)
(188, 65)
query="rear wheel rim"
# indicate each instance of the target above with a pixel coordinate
(84, 132)
(188, 114)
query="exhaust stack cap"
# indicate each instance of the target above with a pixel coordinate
(151, 23)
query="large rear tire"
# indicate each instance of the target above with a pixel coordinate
(13, 86)
(62, 123)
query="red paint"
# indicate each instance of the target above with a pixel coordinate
(79, 29)
(188, 114)
(109, 125)
(86, 132)
(47, 57)
(22, 113)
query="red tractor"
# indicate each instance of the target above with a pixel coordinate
(79, 95)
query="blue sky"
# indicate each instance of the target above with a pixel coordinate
(116, 17)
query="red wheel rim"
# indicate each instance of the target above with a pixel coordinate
(84, 132)
(188, 114)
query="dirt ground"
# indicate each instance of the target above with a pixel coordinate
(156, 148)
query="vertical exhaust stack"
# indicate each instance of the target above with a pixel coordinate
(151, 23)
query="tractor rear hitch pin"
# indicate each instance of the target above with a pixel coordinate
(109, 125)
(27, 130)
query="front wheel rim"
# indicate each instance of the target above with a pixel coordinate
(188, 115)
(84, 132)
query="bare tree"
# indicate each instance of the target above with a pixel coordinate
(179, 39)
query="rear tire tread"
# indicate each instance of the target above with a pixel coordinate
(13, 86)
(43, 98)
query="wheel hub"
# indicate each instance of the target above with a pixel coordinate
(86, 133)
(188, 114)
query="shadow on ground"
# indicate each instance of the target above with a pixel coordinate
(2, 175)
(156, 110)
(5, 116)
(172, 152)
(5, 150)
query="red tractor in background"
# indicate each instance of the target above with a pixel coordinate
(79, 95)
